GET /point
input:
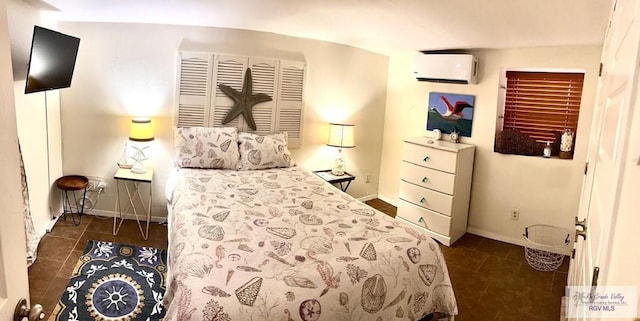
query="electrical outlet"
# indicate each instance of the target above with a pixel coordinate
(96, 183)
(515, 214)
(367, 178)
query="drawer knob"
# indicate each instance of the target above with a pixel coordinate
(424, 179)
(422, 200)
(421, 219)
(426, 158)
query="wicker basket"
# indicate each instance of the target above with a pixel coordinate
(546, 246)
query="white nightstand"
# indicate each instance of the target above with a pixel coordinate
(132, 183)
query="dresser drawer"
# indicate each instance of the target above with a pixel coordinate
(424, 218)
(426, 198)
(429, 157)
(426, 177)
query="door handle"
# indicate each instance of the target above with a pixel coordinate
(582, 224)
(23, 311)
(581, 233)
(583, 228)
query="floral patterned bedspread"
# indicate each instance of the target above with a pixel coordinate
(283, 244)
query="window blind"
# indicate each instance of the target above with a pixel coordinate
(538, 103)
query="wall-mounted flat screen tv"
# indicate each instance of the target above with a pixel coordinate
(52, 60)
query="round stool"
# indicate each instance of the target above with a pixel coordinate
(70, 185)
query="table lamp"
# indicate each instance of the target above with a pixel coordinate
(341, 136)
(140, 131)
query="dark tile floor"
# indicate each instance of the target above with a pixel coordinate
(492, 280)
(383, 207)
(59, 251)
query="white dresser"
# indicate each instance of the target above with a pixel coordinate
(435, 186)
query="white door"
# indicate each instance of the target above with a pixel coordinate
(608, 143)
(13, 266)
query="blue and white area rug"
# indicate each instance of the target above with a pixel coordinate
(115, 282)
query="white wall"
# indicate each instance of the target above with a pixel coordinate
(546, 191)
(129, 69)
(38, 123)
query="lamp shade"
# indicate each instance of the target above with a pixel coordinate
(141, 130)
(341, 136)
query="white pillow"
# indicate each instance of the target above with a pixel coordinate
(207, 147)
(264, 151)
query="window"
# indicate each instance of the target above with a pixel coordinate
(538, 107)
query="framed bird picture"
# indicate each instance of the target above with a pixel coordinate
(450, 112)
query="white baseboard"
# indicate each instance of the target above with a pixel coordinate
(49, 227)
(128, 216)
(517, 241)
(367, 197)
(494, 236)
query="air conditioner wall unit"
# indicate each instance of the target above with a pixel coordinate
(448, 68)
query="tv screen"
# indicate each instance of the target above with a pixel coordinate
(52, 60)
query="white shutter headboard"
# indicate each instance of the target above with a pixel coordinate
(290, 100)
(201, 103)
(193, 89)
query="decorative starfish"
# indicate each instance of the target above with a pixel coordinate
(243, 101)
